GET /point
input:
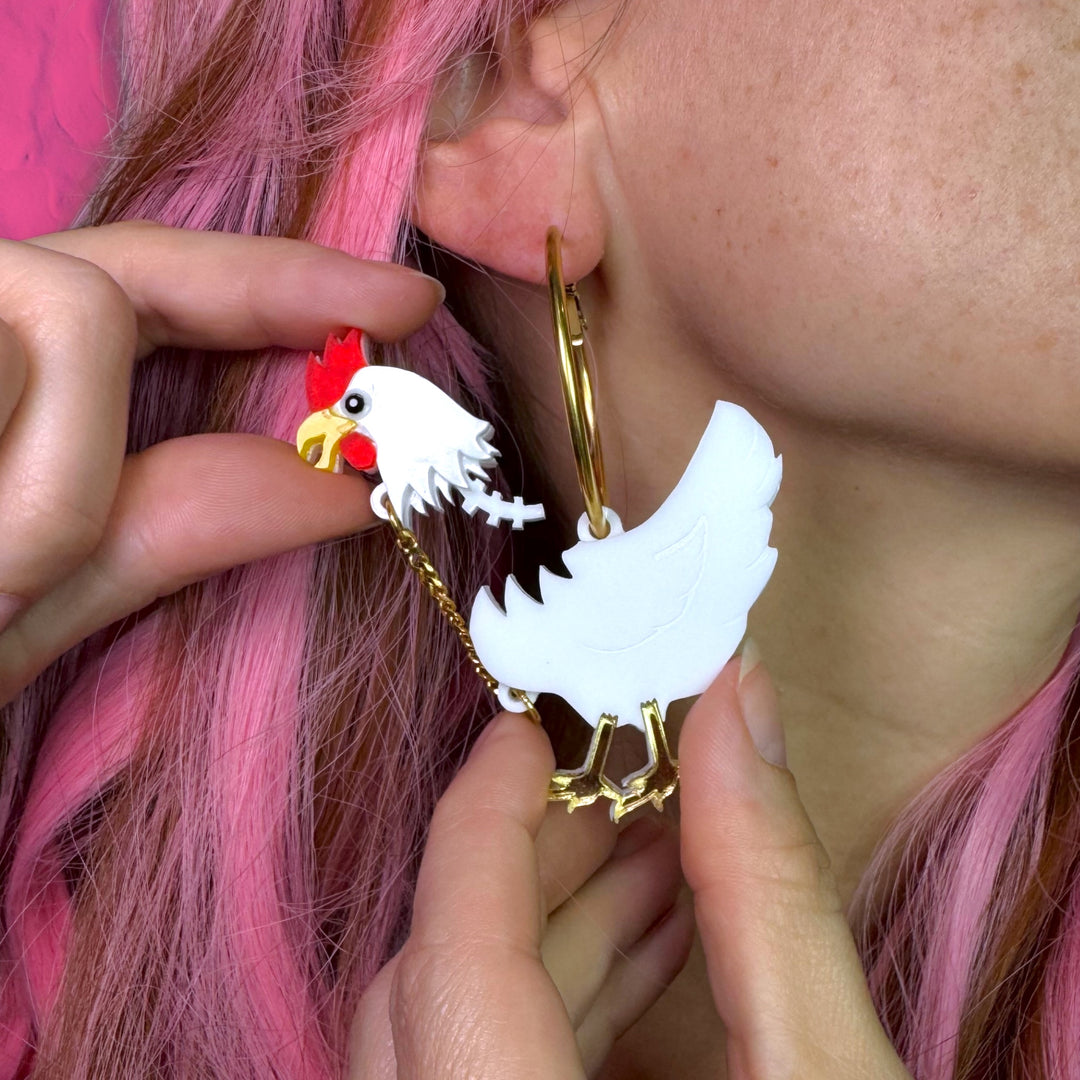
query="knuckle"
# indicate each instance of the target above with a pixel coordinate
(16, 663)
(102, 303)
(55, 291)
(58, 531)
(801, 872)
(428, 979)
(431, 1035)
(259, 303)
(778, 873)
(74, 298)
(13, 367)
(136, 560)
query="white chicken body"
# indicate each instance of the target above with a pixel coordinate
(428, 445)
(654, 612)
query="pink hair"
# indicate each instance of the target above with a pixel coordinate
(230, 800)
(966, 917)
(212, 813)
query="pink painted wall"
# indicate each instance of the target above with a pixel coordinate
(57, 94)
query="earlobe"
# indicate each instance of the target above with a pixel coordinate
(526, 158)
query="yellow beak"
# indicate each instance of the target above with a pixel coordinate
(318, 438)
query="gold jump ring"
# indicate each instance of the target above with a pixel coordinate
(569, 325)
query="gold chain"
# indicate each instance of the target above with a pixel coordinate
(420, 563)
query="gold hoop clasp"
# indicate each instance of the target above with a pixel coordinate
(569, 325)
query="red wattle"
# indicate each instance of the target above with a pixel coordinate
(358, 451)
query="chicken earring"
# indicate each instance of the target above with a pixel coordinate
(425, 447)
(649, 614)
(424, 444)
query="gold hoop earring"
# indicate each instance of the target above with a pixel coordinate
(569, 325)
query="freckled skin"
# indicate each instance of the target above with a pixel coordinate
(896, 208)
(860, 219)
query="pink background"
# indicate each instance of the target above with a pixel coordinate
(58, 94)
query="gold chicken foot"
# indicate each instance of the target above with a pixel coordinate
(583, 786)
(659, 778)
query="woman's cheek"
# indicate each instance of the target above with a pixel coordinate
(866, 215)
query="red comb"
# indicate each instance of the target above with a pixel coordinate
(327, 377)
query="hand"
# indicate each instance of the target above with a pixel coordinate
(782, 963)
(88, 537)
(537, 937)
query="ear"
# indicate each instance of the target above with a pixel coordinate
(516, 145)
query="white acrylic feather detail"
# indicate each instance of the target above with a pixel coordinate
(653, 612)
(429, 447)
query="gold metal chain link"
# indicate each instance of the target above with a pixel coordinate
(420, 563)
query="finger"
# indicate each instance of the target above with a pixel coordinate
(12, 383)
(570, 848)
(12, 372)
(636, 981)
(185, 509)
(471, 997)
(782, 963)
(83, 302)
(492, 811)
(61, 452)
(607, 916)
(371, 1040)
(216, 290)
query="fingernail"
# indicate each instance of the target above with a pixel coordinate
(761, 712)
(10, 606)
(749, 658)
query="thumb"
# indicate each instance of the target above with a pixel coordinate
(782, 962)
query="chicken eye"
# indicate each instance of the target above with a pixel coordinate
(355, 403)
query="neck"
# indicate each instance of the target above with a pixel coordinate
(916, 605)
(918, 600)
